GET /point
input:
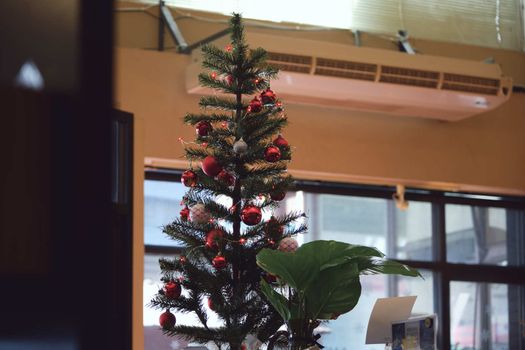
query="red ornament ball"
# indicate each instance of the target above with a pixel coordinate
(210, 166)
(226, 178)
(219, 262)
(288, 244)
(172, 290)
(273, 229)
(277, 195)
(210, 304)
(184, 213)
(255, 105)
(268, 96)
(203, 128)
(189, 178)
(167, 320)
(272, 154)
(251, 215)
(269, 278)
(230, 79)
(280, 142)
(213, 238)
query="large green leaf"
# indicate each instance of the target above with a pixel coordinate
(332, 253)
(295, 269)
(336, 291)
(384, 266)
(278, 301)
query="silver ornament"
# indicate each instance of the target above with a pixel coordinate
(240, 147)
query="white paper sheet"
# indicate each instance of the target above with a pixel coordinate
(386, 311)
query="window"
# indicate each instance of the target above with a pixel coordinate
(469, 249)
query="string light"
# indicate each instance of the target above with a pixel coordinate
(242, 241)
(214, 75)
(228, 48)
(204, 144)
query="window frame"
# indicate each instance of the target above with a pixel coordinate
(444, 272)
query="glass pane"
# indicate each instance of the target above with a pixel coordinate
(373, 222)
(414, 231)
(161, 206)
(423, 288)
(479, 235)
(479, 316)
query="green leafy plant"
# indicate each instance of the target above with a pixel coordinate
(320, 281)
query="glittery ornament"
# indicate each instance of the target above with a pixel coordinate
(167, 320)
(189, 178)
(203, 128)
(251, 215)
(273, 229)
(210, 166)
(199, 214)
(240, 147)
(219, 262)
(288, 244)
(268, 97)
(255, 105)
(184, 213)
(226, 178)
(272, 154)
(277, 195)
(213, 238)
(210, 304)
(172, 290)
(281, 142)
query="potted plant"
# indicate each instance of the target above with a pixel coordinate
(319, 281)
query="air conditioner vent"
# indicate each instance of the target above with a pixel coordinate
(468, 83)
(407, 72)
(466, 79)
(344, 74)
(290, 63)
(345, 69)
(470, 88)
(393, 79)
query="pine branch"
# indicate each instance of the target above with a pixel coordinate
(265, 170)
(212, 53)
(191, 118)
(218, 84)
(271, 127)
(220, 103)
(184, 232)
(197, 334)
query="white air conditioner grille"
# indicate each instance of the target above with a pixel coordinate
(290, 63)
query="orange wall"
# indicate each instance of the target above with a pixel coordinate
(483, 153)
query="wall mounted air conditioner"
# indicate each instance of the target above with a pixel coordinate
(375, 80)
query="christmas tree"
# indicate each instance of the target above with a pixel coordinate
(237, 173)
